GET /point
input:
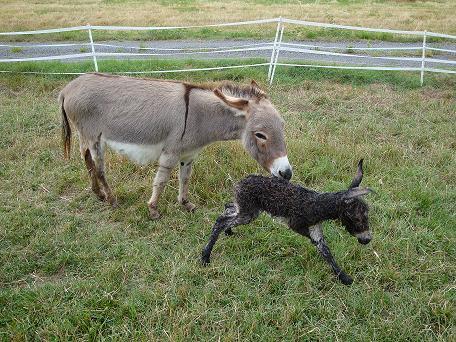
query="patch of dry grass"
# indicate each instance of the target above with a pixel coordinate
(430, 15)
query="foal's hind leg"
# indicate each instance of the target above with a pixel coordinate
(230, 218)
(97, 152)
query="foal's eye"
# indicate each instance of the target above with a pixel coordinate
(260, 136)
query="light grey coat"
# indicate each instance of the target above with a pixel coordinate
(168, 121)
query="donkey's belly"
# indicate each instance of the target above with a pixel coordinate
(141, 154)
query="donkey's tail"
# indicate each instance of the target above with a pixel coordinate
(66, 130)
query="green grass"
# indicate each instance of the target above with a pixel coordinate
(258, 32)
(72, 267)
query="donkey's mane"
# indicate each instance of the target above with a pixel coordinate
(246, 92)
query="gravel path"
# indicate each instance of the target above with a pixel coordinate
(165, 51)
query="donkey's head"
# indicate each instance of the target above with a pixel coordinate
(354, 211)
(263, 136)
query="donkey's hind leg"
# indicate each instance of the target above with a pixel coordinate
(93, 174)
(97, 152)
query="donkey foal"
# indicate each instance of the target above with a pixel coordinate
(302, 209)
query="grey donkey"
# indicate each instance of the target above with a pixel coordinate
(302, 209)
(168, 121)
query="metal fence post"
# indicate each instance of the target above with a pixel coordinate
(423, 58)
(279, 24)
(89, 29)
(277, 54)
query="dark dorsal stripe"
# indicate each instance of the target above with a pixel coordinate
(188, 89)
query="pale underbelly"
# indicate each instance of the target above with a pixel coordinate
(141, 154)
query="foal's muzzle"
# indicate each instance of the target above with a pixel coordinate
(364, 237)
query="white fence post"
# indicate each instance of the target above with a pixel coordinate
(423, 58)
(277, 55)
(93, 47)
(279, 24)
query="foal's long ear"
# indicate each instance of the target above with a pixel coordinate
(356, 192)
(232, 101)
(358, 177)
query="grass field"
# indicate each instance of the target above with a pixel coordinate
(72, 267)
(437, 16)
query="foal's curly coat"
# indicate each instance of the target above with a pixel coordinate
(302, 209)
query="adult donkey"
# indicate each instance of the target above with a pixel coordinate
(147, 119)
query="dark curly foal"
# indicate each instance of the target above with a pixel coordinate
(302, 209)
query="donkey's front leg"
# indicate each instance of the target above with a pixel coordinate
(166, 164)
(317, 238)
(185, 171)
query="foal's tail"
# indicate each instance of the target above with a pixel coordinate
(66, 129)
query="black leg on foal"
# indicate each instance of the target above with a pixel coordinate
(317, 238)
(225, 221)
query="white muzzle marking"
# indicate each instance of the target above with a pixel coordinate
(280, 164)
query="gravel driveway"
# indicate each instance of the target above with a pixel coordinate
(164, 50)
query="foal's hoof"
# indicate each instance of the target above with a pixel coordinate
(205, 259)
(229, 232)
(345, 279)
(154, 213)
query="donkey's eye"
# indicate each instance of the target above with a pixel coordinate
(260, 136)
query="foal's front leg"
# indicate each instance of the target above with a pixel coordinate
(317, 238)
(166, 164)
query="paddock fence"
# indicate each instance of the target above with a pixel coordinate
(336, 56)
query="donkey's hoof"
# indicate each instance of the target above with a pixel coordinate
(113, 202)
(154, 214)
(101, 196)
(189, 206)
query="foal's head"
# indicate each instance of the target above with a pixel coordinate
(353, 210)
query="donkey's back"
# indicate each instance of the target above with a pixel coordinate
(123, 109)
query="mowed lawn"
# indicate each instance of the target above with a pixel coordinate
(72, 267)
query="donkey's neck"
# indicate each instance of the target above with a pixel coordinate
(217, 122)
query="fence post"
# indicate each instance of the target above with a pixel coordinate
(277, 54)
(89, 29)
(279, 24)
(423, 58)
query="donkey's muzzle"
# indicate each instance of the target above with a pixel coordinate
(286, 174)
(281, 168)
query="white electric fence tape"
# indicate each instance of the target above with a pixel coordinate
(276, 47)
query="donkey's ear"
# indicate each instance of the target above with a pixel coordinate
(231, 101)
(358, 177)
(254, 84)
(356, 192)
